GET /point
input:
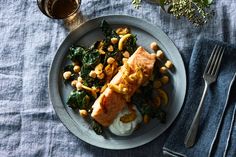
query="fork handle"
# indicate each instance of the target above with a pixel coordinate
(192, 132)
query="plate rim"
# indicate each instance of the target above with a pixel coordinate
(73, 126)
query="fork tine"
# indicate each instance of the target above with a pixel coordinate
(208, 66)
(217, 66)
(216, 60)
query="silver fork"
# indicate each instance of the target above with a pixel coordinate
(210, 75)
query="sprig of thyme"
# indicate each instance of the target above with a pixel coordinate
(196, 11)
(136, 3)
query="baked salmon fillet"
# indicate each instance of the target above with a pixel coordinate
(110, 102)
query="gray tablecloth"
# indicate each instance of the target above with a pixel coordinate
(28, 43)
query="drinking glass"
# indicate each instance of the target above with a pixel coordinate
(59, 9)
(67, 10)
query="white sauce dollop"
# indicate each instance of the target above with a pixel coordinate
(124, 129)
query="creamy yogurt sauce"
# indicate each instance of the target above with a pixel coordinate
(124, 129)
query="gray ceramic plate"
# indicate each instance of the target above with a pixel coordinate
(86, 35)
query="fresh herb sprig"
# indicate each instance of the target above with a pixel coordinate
(196, 11)
(136, 3)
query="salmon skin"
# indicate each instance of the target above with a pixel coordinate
(110, 103)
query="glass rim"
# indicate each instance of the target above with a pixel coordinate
(57, 18)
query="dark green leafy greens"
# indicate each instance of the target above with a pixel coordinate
(108, 32)
(91, 58)
(76, 54)
(79, 100)
(131, 45)
(146, 107)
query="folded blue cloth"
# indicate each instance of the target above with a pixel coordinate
(217, 129)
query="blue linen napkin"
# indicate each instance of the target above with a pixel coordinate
(217, 130)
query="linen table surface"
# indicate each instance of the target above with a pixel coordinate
(29, 40)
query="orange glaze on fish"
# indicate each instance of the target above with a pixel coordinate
(110, 103)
